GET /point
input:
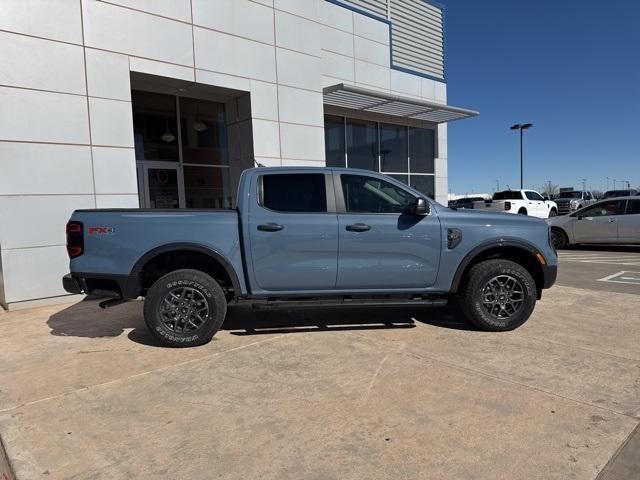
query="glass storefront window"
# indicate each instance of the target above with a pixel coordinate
(362, 144)
(424, 184)
(334, 141)
(206, 187)
(394, 148)
(404, 153)
(203, 132)
(421, 150)
(155, 126)
(182, 152)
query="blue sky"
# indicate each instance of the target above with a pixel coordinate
(572, 68)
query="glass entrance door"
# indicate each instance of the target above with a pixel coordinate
(162, 185)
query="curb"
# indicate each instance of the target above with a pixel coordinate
(6, 472)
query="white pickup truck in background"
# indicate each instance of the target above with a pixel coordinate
(524, 202)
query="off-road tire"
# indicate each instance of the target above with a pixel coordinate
(473, 293)
(206, 294)
(559, 239)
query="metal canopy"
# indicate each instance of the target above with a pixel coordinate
(356, 98)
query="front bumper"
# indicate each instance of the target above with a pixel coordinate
(550, 273)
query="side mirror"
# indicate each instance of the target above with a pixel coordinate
(421, 207)
(545, 198)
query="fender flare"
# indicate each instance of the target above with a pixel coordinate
(483, 247)
(192, 247)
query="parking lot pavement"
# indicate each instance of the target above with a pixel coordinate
(326, 394)
(612, 269)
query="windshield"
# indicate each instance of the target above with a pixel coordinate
(570, 195)
(507, 195)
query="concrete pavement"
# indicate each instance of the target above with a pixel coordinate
(344, 394)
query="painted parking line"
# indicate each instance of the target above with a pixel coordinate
(631, 278)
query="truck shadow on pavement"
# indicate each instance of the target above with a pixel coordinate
(85, 319)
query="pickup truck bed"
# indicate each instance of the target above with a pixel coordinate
(309, 236)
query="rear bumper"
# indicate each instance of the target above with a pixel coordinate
(100, 285)
(71, 284)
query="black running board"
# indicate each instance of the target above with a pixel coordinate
(328, 302)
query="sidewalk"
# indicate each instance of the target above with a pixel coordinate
(344, 394)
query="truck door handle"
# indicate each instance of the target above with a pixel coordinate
(358, 227)
(270, 227)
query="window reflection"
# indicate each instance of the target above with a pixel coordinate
(421, 150)
(334, 141)
(393, 148)
(424, 184)
(155, 126)
(362, 144)
(203, 132)
(207, 187)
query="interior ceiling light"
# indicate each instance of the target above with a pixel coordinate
(199, 126)
(167, 136)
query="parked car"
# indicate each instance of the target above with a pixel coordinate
(523, 202)
(309, 236)
(574, 200)
(466, 202)
(615, 220)
(631, 192)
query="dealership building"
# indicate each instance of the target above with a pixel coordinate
(163, 103)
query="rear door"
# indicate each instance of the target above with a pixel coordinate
(629, 223)
(599, 223)
(381, 245)
(293, 232)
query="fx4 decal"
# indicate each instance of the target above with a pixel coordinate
(101, 230)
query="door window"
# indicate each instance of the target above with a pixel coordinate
(634, 207)
(296, 193)
(604, 209)
(534, 196)
(372, 195)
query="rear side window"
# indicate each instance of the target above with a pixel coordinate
(297, 193)
(507, 195)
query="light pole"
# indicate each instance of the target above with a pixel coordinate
(584, 184)
(607, 184)
(521, 127)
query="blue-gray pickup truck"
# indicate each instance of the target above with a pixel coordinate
(310, 236)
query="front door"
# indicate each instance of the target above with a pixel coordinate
(161, 185)
(382, 246)
(598, 223)
(293, 233)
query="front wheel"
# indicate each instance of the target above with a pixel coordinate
(553, 213)
(185, 308)
(499, 295)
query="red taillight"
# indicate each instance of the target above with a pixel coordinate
(507, 205)
(75, 239)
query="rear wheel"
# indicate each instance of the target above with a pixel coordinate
(559, 239)
(522, 211)
(185, 308)
(500, 295)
